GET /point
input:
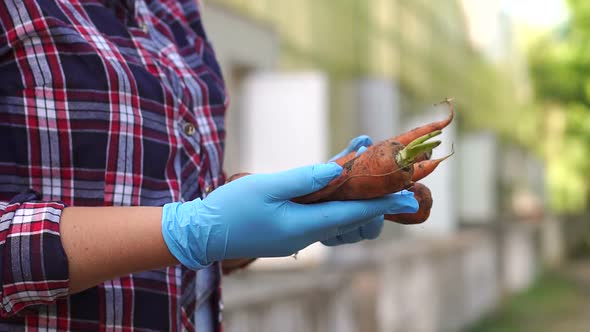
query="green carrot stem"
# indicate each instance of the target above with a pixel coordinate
(424, 138)
(406, 156)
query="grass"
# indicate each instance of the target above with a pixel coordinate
(554, 303)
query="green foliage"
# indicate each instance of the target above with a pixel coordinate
(560, 63)
(555, 70)
(552, 304)
(560, 68)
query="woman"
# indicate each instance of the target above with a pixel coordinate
(111, 119)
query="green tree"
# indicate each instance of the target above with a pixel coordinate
(560, 69)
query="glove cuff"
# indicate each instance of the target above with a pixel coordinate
(185, 238)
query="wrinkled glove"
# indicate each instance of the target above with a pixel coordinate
(371, 229)
(254, 217)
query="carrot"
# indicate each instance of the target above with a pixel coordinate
(424, 197)
(425, 167)
(382, 169)
(413, 134)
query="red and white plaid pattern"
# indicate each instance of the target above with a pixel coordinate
(103, 103)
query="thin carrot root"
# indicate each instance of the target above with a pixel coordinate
(424, 168)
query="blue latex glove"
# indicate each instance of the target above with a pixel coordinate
(355, 144)
(254, 217)
(372, 228)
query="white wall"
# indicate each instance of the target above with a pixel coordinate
(230, 33)
(285, 125)
(237, 39)
(477, 155)
(378, 108)
(285, 121)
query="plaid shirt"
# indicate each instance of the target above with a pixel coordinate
(103, 103)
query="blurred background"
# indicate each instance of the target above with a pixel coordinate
(505, 248)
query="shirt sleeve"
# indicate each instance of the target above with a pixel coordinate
(33, 263)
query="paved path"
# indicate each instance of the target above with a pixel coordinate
(559, 303)
(578, 319)
(571, 313)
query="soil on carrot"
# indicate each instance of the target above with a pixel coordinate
(557, 302)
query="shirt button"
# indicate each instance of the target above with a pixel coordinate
(189, 129)
(208, 189)
(144, 27)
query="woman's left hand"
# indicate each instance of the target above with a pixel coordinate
(370, 230)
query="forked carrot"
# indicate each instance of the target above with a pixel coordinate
(384, 168)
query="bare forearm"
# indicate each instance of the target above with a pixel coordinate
(106, 242)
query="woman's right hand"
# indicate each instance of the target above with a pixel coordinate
(254, 217)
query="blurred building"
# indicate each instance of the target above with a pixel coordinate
(305, 77)
(379, 57)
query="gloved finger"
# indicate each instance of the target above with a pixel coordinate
(332, 242)
(369, 231)
(352, 236)
(332, 216)
(354, 145)
(361, 150)
(298, 181)
(401, 195)
(373, 229)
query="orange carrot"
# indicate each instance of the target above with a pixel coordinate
(413, 134)
(384, 168)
